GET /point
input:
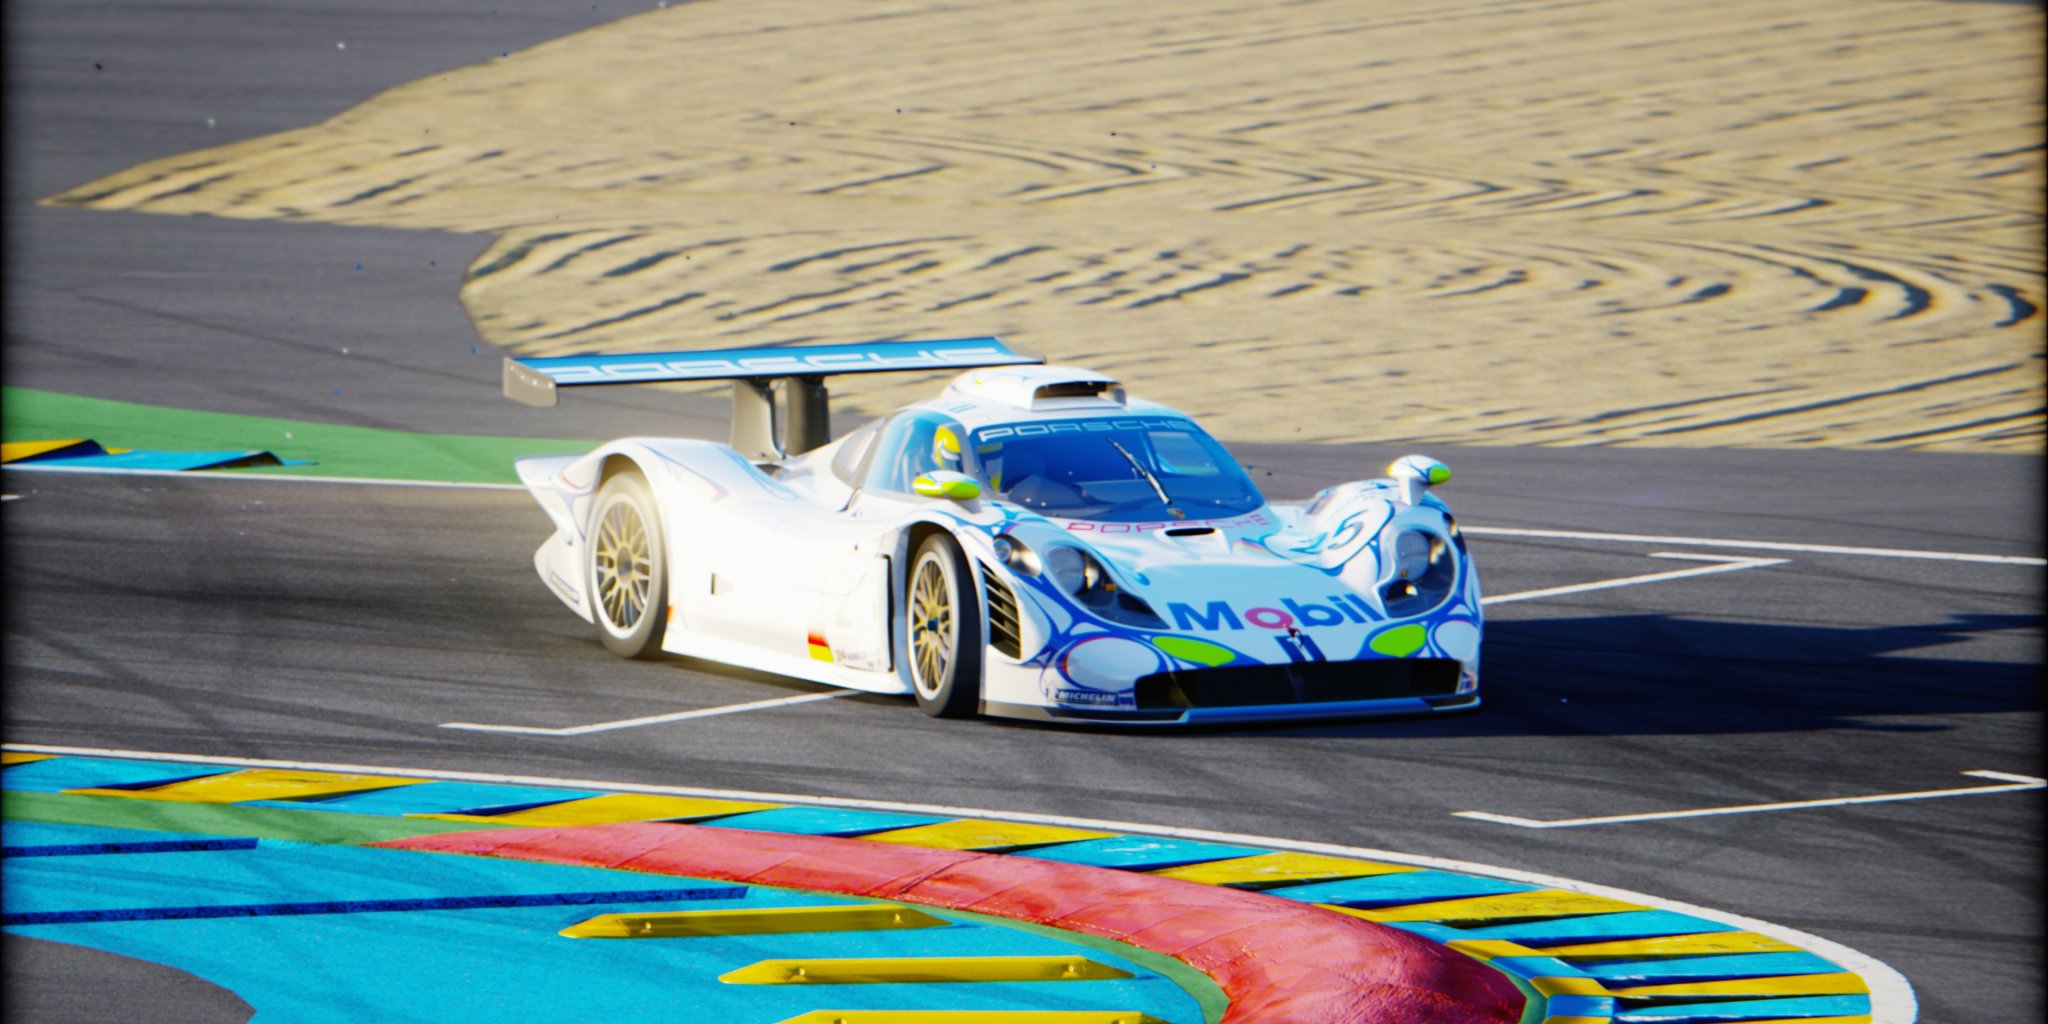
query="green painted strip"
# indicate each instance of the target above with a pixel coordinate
(332, 827)
(335, 450)
(1535, 1005)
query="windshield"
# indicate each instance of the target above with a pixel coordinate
(1119, 470)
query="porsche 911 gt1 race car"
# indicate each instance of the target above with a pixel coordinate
(1032, 543)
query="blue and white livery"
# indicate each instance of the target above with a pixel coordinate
(1032, 543)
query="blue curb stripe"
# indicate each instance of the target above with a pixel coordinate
(1399, 889)
(1440, 933)
(166, 460)
(166, 846)
(1597, 1007)
(822, 821)
(560, 899)
(61, 773)
(1749, 1009)
(1708, 968)
(433, 798)
(1134, 853)
(1537, 967)
(1627, 924)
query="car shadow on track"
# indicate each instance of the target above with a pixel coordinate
(1662, 675)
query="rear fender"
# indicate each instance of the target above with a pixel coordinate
(690, 479)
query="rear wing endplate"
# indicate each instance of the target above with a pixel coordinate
(754, 373)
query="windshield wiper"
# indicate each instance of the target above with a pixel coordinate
(1142, 471)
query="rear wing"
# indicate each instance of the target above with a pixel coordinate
(755, 373)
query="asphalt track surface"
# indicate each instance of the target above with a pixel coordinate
(346, 623)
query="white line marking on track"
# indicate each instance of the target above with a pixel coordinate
(1727, 564)
(2016, 784)
(211, 474)
(1891, 996)
(634, 723)
(1759, 545)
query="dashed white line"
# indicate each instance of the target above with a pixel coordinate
(1891, 996)
(2014, 784)
(634, 723)
(210, 474)
(1726, 564)
(1758, 545)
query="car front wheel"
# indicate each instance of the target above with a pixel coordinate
(943, 625)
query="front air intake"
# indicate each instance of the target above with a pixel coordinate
(1310, 682)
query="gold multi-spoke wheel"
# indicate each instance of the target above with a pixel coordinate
(628, 567)
(932, 627)
(943, 626)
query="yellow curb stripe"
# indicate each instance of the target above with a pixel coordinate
(257, 784)
(1513, 906)
(767, 921)
(979, 834)
(1706, 944)
(613, 807)
(922, 970)
(1271, 869)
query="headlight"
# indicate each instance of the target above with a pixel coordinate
(1073, 569)
(1422, 568)
(1018, 557)
(1078, 573)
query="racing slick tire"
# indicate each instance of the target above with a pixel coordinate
(942, 631)
(628, 568)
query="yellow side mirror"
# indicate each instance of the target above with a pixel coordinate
(940, 483)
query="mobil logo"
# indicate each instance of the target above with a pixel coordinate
(1334, 610)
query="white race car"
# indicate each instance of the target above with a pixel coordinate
(1032, 543)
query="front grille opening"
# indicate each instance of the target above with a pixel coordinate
(1190, 531)
(1309, 682)
(1005, 629)
(1120, 606)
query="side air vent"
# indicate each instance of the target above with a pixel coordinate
(1005, 630)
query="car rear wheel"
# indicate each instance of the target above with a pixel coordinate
(942, 623)
(628, 568)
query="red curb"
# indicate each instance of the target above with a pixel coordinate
(1278, 961)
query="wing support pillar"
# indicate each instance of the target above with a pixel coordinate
(809, 407)
(804, 423)
(753, 418)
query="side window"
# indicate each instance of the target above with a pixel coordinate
(847, 462)
(910, 446)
